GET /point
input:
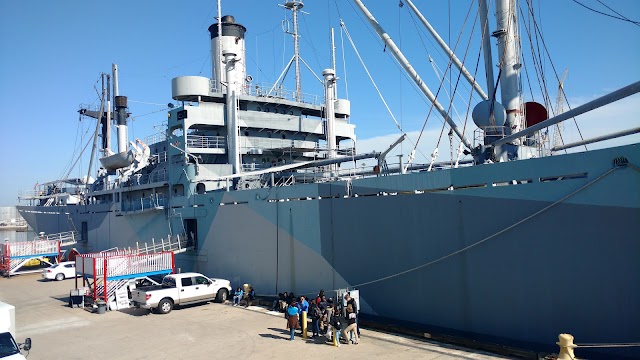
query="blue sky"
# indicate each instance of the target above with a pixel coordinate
(53, 51)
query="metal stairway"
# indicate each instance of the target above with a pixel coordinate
(176, 244)
(66, 238)
(15, 255)
(114, 271)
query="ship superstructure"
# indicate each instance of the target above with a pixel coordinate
(251, 175)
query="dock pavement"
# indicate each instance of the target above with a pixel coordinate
(205, 331)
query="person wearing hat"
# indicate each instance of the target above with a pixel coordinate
(292, 318)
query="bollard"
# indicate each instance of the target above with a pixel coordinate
(335, 339)
(304, 325)
(565, 341)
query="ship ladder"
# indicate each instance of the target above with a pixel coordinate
(176, 244)
(66, 238)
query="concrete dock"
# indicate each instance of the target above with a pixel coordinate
(206, 331)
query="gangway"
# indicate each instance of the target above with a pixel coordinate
(66, 238)
(46, 248)
(15, 255)
(112, 270)
(107, 272)
(176, 244)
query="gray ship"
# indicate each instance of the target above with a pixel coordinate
(516, 246)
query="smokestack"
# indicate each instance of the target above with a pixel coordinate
(231, 41)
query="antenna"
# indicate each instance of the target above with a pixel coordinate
(295, 6)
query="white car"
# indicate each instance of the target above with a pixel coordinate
(61, 271)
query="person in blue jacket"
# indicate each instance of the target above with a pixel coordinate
(238, 296)
(303, 306)
(292, 318)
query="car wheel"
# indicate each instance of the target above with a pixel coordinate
(165, 306)
(221, 296)
(59, 276)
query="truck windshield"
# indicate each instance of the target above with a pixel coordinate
(168, 282)
(8, 346)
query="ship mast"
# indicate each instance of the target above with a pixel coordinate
(486, 47)
(509, 63)
(294, 6)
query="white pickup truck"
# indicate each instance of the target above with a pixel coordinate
(180, 289)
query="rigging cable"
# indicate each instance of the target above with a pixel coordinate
(455, 89)
(622, 17)
(537, 61)
(435, 153)
(395, 62)
(344, 65)
(434, 65)
(366, 69)
(76, 147)
(353, 45)
(555, 72)
(313, 48)
(79, 157)
(466, 119)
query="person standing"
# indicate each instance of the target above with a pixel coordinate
(323, 317)
(314, 312)
(336, 323)
(351, 301)
(292, 319)
(351, 330)
(329, 318)
(303, 307)
(320, 296)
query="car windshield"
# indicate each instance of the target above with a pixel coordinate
(8, 346)
(54, 266)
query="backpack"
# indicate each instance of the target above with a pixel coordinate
(335, 322)
(315, 312)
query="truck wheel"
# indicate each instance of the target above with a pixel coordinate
(59, 276)
(165, 306)
(221, 296)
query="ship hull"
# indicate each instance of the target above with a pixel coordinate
(513, 252)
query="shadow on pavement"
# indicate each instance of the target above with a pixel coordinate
(135, 312)
(276, 337)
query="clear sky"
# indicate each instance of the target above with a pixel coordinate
(52, 52)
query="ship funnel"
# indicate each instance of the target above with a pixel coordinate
(231, 41)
